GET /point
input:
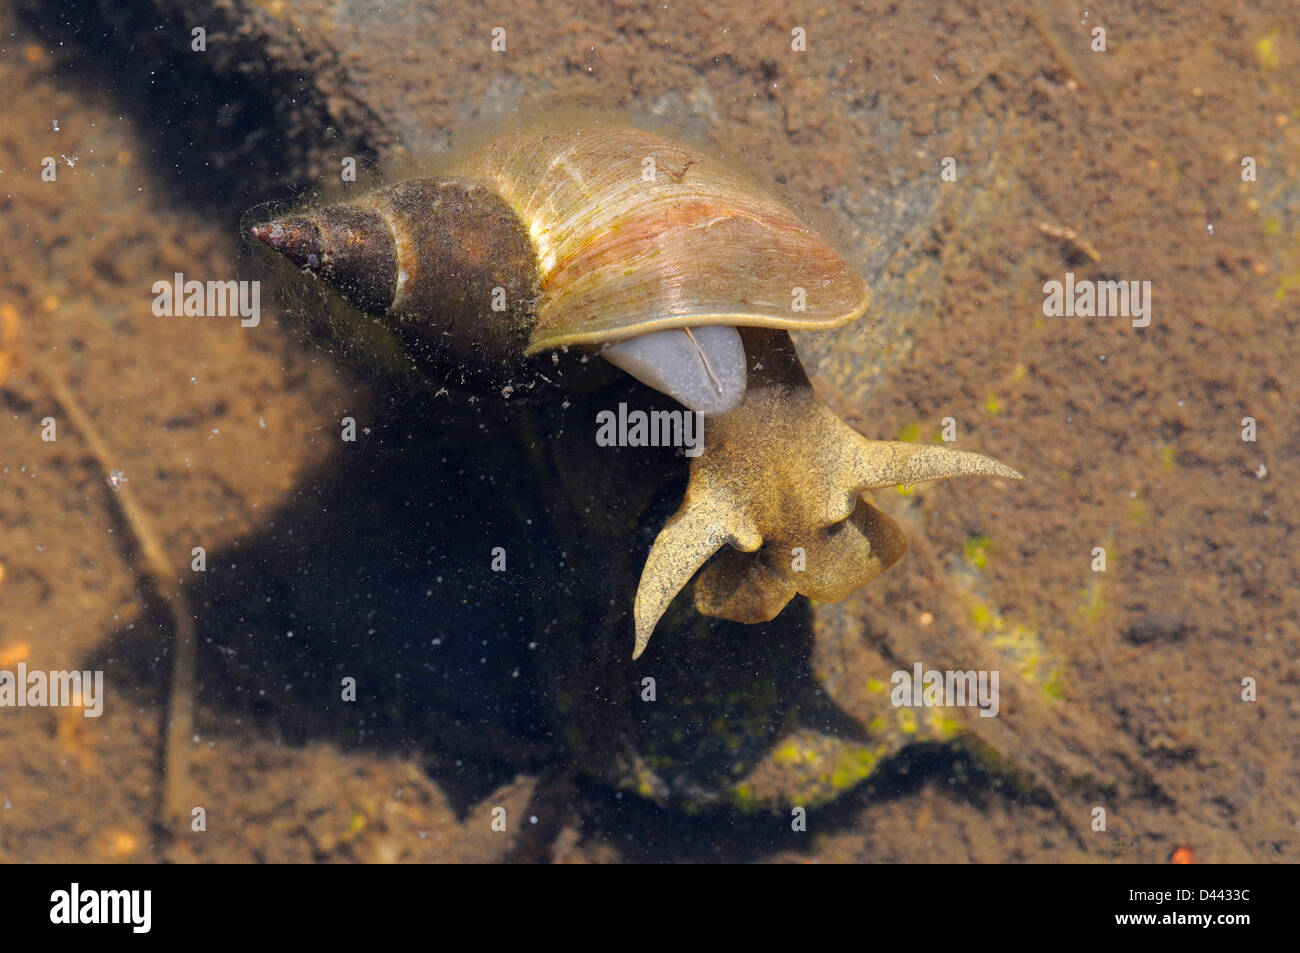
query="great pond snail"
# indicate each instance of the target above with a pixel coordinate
(586, 238)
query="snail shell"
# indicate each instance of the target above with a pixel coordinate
(608, 238)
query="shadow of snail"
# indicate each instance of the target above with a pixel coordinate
(534, 271)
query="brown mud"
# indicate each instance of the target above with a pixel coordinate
(1118, 165)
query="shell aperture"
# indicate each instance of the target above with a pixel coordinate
(702, 368)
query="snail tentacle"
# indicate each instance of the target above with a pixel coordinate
(687, 541)
(882, 463)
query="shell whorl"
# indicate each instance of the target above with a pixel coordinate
(445, 262)
(460, 253)
(637, 233)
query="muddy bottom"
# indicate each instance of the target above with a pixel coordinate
(1139, 589)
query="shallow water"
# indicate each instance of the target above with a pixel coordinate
(1169, 158)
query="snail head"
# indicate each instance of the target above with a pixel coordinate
(781, 483)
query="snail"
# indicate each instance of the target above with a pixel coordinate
(581, 239)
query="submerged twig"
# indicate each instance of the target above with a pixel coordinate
(153, 565)
(1069, 235)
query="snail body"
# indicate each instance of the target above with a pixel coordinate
(602, 238)
(672, 266)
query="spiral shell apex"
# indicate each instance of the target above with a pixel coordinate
(445, 263)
